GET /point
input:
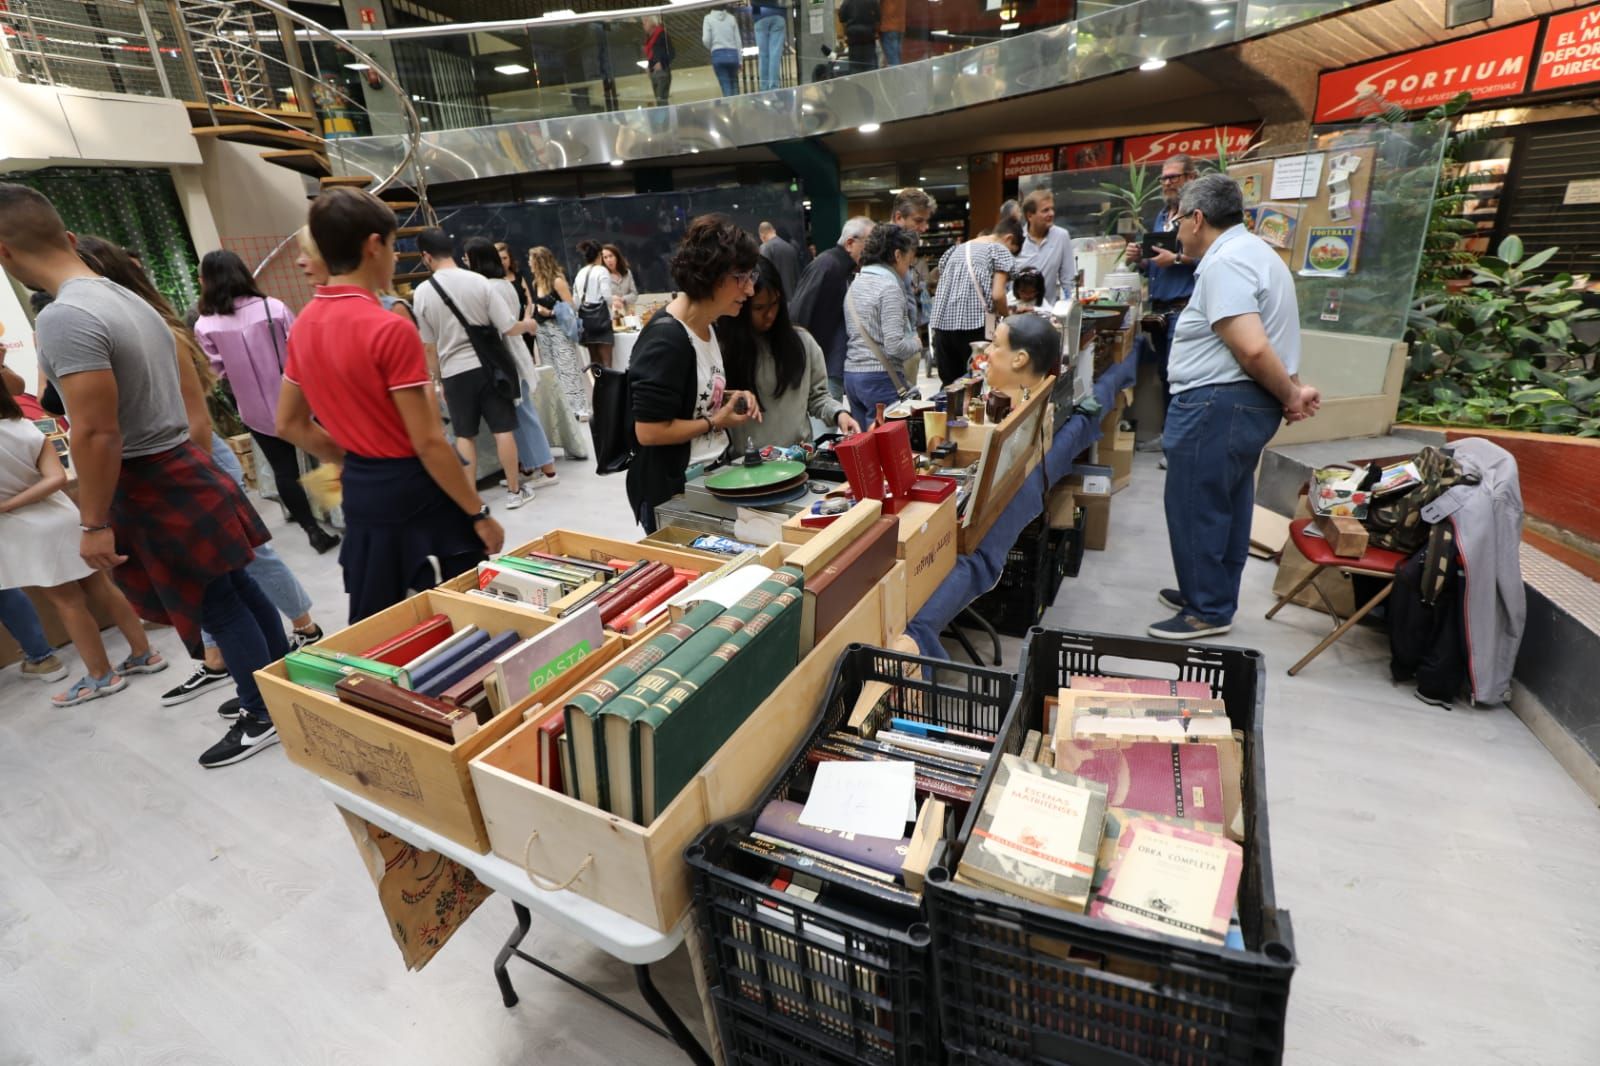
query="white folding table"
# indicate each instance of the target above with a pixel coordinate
(616, 935)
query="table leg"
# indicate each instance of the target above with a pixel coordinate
(679, 1032)
(508, 995)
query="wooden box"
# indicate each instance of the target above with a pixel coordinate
(1006, 455)
(635, 870)
(416, 776)
(927, 546)
(1347, 537)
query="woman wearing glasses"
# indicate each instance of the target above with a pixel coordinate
(682, 407)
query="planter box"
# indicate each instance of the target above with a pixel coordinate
(635, 870)
(416, 776)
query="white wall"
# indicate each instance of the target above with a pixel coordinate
(48, 125)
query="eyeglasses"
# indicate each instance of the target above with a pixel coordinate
(1171, 177)
(1183, 216)
(745, 277)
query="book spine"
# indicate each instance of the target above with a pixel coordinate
(781, 819)
(433, 717)
(824, 869)
(933, 786)
(624, 622)
(615, 608)
(609, 685)
(922, 758)
(940, 732)
(623, 582)
(952, 752)
(675, 696)
(955, 773)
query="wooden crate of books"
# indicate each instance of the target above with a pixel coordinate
(1108, 932)
(416, 776)
(638, 870)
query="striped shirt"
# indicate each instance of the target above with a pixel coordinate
(965, 296)
(876, 303)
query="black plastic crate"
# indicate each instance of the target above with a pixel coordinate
(855, 984)
(751, 1039)
(1024, 983)
(1016, 604)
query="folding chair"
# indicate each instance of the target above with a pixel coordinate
(1375, 562)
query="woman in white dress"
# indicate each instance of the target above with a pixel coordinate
(549, 290)
(39, 535)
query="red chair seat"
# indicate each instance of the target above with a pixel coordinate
(1320, 553)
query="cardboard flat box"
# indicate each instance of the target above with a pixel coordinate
(635, 870)
(1096, 521)
(1292, 566)
(416, 776)
(927, 546)
(1346, 536)
(1060, 506)
(1120, 458)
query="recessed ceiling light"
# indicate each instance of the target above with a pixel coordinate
(1152, 64)
(869, 127)
(616, 162)
(356, 66)
(116, 40)
(1007, 27)
(511, 68)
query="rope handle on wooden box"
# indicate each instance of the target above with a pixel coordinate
(540, 880)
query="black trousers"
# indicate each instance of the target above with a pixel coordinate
(952, 351)
(285, 465)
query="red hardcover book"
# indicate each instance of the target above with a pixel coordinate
(1142, 686)
(403, 647)
(893, 441)
(858, 456)
(424, 714)
(660, 574)
(550, 732)
(673, 586)
(623, 582)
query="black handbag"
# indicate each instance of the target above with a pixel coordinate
(594, 316)
(611, 420)
(490, 346)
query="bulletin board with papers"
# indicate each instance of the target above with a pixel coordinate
(1310, 207)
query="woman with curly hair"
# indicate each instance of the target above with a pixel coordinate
(623, 289)
(682, 407)
(555, 347)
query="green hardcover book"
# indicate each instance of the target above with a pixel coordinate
(322, 669)
(565, 574)
(687, 725)
(617, 761)
(582, 709)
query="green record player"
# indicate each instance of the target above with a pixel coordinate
(740, 478)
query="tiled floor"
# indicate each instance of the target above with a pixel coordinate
(1440, 869)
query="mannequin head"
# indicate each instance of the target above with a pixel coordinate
(1026, 350)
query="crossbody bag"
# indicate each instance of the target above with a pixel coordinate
(984, 300)
(897, 377)
(489, 345)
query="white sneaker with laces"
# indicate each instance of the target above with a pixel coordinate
(523, 495)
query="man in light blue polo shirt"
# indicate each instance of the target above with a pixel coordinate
(1235, 355)
(1047, 247)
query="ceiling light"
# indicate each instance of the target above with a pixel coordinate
(869, 127)
(958, 166)
(511, 68)
(643, 64)
(356, 66)
(1152, 64)
(616, 162)
(1007, 27)
(543, 200)
(116, 40)
(414, 96)
(1223, 24)
(939, 33)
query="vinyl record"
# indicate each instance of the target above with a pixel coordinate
(739, 477)
(765, 490)
(773, 499)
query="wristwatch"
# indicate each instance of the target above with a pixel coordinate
(482, 513)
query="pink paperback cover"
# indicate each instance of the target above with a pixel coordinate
(1178, 780)
(1172, 880)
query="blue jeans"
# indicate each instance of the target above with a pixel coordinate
(1213, 439)
(22, 622)
(769, 42)
(865, 391)
(247, 631)
(725, 62)
(533, 446)
(891, 46)
(269, 571)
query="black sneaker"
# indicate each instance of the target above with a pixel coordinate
(298, 640)
(243, 739)
(1187, 627)
(230, 710)
(321, 540)
(203, 678)
(1172, 599)
(1435, 701)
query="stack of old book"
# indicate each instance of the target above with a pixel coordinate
(443, 681)
(631, 596)
(1126, 806)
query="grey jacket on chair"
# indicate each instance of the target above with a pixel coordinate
(1488, 525)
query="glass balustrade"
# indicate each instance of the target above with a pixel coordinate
(565, 65)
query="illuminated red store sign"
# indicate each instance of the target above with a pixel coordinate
(1571, 53)
(1200, 143)
(1488, 65)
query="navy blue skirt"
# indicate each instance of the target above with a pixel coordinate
(402, 533)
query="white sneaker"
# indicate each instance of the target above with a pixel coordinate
(540, 480)
(516, 499)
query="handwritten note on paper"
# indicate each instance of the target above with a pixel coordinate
(1297, 176)
(866, 798)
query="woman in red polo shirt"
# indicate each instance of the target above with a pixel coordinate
(413, 517)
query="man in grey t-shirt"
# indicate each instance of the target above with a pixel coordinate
(174, 530)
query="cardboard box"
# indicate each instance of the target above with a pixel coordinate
(635, 870)
(1061, 506)
(1096, 521)
(1346, 536)
(416, 776)
(1292, 566)
(1120, 458)
(927, 546)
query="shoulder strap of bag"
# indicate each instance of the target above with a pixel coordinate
(983, 297)
(272, 331)
(896, 375)
(451, 304)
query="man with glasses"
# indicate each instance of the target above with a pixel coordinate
(1235, 357)
(1171, 278)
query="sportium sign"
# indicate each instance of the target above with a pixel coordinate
(1488, 65)
(1200, 143)
(1571, 54)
